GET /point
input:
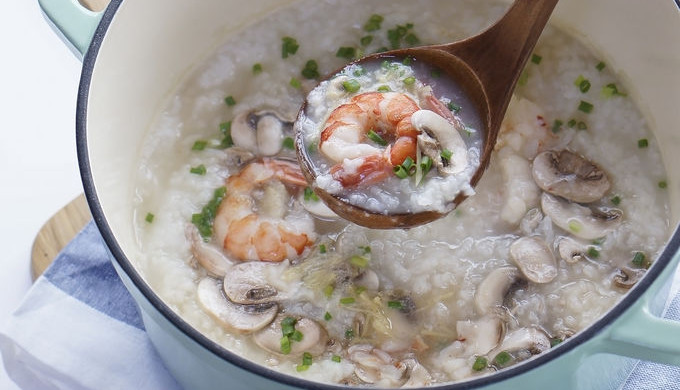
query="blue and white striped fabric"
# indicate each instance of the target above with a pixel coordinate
(78, 328)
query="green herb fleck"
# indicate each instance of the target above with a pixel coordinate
(582, 83)
(479, 364)
(230, 101)
(402, 33)
(395, 305)
(373, 23)
(536, 59)
(582, 125)
(336, 358)
(557, 125)
(346, 52)
(301, 368)
(523, 78)
(149, 217)
(289, 46)
(199, 145)
(453, 107)
(285, 345)
(358, 261)
(571, 123)
(600, 66)
(616, 200)
(288, 325)
(347, 300)
(307, 359)
(375, 137)
(351, 85)
(575, 226)
(593, 253)
(296, 336)
(328, 291)
(327, 316)
(349, 334)
(295, 83)
(585, 106)
(407, 61)
(410, 80)
(425, 164)
(309, 195)
(503, 358)
(662, 184)
(446, 155)
(643, 143)
(199, 170)
(204, 219)
(611, 90)
(311, 70)
(555, 341)
(288, 143)
(384, 88)
(257, 68)
(366, 40)
(322, 248)
(365, 249)
(639, 259)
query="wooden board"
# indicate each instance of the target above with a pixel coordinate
(57, 232)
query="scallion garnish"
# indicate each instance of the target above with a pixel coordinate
(229, 101)
(288, 143)
(322, 248)
(289, 46)
(643, 143)
(366, 40)
(425, 164)
(555, 341)
(311, 70)
(288, 325)
(285, 345)
(407, 61)
(446, 155)
(199, 145)
(307, 359)
(662, 184)
(503, 358)
(225, 128)
(479, 364)
(453, 107)
(296, 336)
(346, 52)
(523, 78)
(351, 85)
(309, 195)
(600, 66)
(616, 200)
(395, 305)
(365, 249)
(593, 253)
(336, 358)
(358, 261)
(384, 88)
(557, 125)
(149, 217)
(575, 226)
(327, 316)
(257, 68)
(373, 23)
(349, 334)
(402, 32)
(347, 300)
(375, 137)
(639, 259)
(409, 165)
(585, 106)
(199, 170)
(536, 59)
(204, 220)
(328, 291)
(571, 123)
(400, 172)
(410, 80)
(295, 83)
(582, 83)
(582, 125)
(611, 90)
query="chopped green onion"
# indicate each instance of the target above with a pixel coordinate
(409, 80)
(336, 358)
(571, 123)
(296, 336)
(402, 32)
(230, 101)
(311, 70)
(400, 172)
(288, 143)
(446, 155)
(616, 200)
(412, 39)
(199, 145)
(309, 195)
(285, 345)
(346, 52)
(347, 300)
(227, 141)
(204, 219)
(581, 125)
(593, 253)
(288, 326)
(375, 137)
(366, 40)
(586, 107)
(373, 23)
(351, 85)
(600, 66)
(384, 88)
(289, 46)
(359, 71)
(295, 83)
(301, 367)
(425, 164)
(643, 143)
(358, 261)
(502, 358)
(328, 291)
(610, 90)
(639, 259)
(322, 248)
(557, 125)
(479, 364)
(307, 359)
(453, 107)
(575, 226)
(359, 289)
(199, 170)
(409, 166)
(257, 68)
(555, 341)
(349, 334)
(582, 83)
(663, 184)
(366, 249)
(395, 305)
(327, 316)
(536, 59)
(523, 78)
(149, 217)
(407, 61)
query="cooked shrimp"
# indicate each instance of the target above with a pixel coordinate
(346, 132)
(256, 220)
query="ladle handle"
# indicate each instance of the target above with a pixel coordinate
(499, 53)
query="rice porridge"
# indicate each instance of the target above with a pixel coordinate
(568, 216)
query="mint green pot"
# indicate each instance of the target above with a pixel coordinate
(135, 53)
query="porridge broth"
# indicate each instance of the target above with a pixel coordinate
(515, 269)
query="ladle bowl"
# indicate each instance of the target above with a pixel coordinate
(486, 67)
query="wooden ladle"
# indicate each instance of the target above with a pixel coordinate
(486, 66)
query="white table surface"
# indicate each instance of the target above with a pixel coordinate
(38, 85)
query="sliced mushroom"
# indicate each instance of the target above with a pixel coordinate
(418, 376)
(570, 175)
(626, 277)
(530, 221)
(480, 336)
(584, 222)
(491, 292)
(209, 257)
(239, 318)
(438, 134)
(522, 343)
(314, 337)
(571, 250)
(317, 207)
(252, 282)
(260, 132)
(534, 258)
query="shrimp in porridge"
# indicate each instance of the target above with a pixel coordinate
(258, 218)
(384, 118)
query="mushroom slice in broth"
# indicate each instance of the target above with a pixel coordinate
(570, 175)
(534, 258)
(437, 135)
(254, 282)
(581, 221)
(491, 292)
(239, 318)
(260, 132)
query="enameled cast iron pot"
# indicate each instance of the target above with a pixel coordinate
(135, 53)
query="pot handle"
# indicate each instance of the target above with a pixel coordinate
(73, 22)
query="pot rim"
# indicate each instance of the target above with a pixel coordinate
(108, 235)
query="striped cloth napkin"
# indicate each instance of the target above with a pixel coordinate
(78, 328)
